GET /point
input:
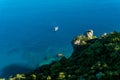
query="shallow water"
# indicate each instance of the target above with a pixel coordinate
(26, 29)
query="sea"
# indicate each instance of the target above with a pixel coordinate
(27, 36)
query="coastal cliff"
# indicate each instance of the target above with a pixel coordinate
(93, 58)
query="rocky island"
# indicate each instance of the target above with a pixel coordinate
(93, 58)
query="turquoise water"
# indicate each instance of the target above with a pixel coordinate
(27, 39)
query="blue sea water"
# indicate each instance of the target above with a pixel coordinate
(27, 39)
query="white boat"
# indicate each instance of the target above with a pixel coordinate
(56, 28)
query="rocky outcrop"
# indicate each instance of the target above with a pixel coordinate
(82, 40)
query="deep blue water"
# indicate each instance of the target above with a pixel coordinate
(27, 38)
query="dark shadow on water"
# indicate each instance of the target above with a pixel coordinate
(14, 69)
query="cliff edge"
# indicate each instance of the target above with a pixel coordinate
(92, 59)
